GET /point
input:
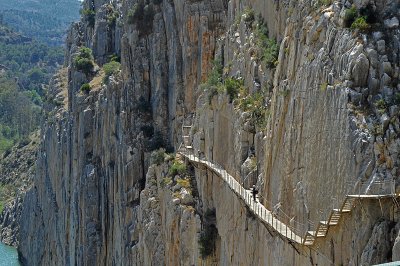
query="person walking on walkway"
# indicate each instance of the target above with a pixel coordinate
(254, 191)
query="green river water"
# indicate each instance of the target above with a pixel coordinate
(8, 256)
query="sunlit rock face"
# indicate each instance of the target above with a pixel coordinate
(332, 121)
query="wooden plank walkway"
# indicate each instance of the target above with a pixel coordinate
(257, 208)
(274, 220)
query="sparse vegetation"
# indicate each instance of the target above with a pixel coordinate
(177, 168)
(110, 69)
(213, 85)
(248, 16)
(165, 182)
(324, 2)
(324, 86)
(350, 16)
(268, 47)
(84, 60)
(157, 157)
(89, 16)
(232, 87)
(361, 19)
(381, 104)
(86, 88)
(255, 104)
(361, 24)
(183, 182)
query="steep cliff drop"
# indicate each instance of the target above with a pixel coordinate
(170, 111)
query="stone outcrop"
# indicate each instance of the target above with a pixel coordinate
(331, 119)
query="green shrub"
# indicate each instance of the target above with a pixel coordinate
(380, 104)
(112, 18)
(110, 69)
(85, 65)
(248, 16)
(270, 54)
(256, 106)
(177, 168)
(361, 24)
(165, 182)
(86, 88)
(233, 87)
(213, 85)
(84, 60)
(114, 58)
(324, 2)
(157, 156)
(350, 16)
(90, 16)
(268, 47)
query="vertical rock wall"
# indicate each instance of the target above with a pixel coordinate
(96, 201)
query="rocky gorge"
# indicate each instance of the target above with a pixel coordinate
(299, 98)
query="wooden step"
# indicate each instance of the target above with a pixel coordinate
(341, 211)
(308, 243)
(311, 233)
(189, 147)
(187, 126)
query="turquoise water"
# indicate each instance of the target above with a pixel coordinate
(8, 256)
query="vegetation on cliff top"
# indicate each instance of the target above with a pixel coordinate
(45, 20)
(25, 70)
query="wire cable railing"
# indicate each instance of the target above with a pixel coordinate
(286, 225)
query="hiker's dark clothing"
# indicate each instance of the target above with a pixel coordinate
(254, 192)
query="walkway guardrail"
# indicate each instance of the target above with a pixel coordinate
(287, 226)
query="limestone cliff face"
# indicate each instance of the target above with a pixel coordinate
(332, 100)
(17, 169)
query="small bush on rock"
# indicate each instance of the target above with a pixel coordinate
(177, 168)
(360, 24)
(157, 157)
(86, 88)
(89, 16)
(110, 69)
(350, 16)
(84, 60)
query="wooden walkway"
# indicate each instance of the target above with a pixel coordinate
(273, 219)
(257, 208)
